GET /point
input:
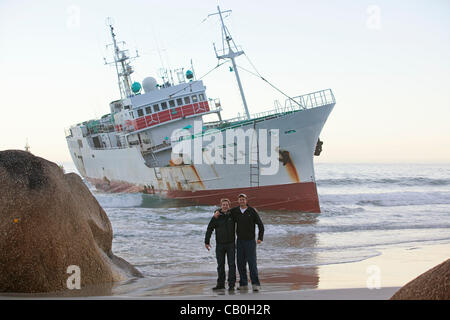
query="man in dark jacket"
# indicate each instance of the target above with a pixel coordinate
(225, 235)
(246, 219)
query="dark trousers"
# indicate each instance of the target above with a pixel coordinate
(246, 253)
(228, 250)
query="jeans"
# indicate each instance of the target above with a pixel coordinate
(246, 253)
(228, 250)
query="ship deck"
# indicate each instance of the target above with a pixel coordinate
(292, 105)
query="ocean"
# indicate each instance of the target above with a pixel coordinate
(365, 208)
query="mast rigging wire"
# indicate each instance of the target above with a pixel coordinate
(188, 85)
(257, 74)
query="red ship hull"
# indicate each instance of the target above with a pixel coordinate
(290, 197)
(300, 197)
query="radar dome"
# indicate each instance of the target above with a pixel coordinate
(149, 84)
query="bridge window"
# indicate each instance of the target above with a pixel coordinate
(148, 110)
(172, 103)
(156, 107)
(194, 99)
(187, 100)
(179, 102)
(163, 105)
(201, 97)
(140, 112)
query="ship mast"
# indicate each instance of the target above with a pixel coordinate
(121, 62)
(232, 54)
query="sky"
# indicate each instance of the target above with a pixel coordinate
(387, 62)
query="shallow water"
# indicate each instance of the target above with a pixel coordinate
(365, 207)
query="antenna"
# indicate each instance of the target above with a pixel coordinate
(27, 146)
(121, 62)
(192, 69)
(233, 52)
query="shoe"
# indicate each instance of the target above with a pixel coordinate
(256, 287)
(231, 288)
(242, 288)
(218, 287)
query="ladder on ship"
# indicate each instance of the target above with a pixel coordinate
(152, 160)
(254, 167)
(150, 157)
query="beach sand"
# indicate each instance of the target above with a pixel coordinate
(377, 278)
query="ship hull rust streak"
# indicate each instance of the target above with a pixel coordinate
(289, 197)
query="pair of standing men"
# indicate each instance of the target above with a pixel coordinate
(227, 222)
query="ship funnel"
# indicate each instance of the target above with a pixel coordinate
(149, 84)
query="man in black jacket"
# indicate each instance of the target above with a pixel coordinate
(246, 219)
(224, 225)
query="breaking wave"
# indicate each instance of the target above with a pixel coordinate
(119, 200)
(387, 199)
(400, 181)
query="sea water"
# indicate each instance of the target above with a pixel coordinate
(365, 208)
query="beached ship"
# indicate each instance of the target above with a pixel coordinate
(132, 148)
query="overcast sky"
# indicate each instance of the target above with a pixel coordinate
(388, 63)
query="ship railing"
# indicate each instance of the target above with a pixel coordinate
(311, 100)
(226, 51)
(90, 130)
(156, 148)
(303, 102)
(95, 129)
(151, 149)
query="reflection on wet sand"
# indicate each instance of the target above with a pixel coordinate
(272, 280)
(294, 278)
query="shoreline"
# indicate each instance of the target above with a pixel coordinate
(376, 278)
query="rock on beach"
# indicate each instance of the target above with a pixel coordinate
(50, 221)
(431, 285)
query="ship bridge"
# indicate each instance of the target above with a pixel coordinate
(160, 106)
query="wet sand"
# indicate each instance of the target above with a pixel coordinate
(374, 278)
